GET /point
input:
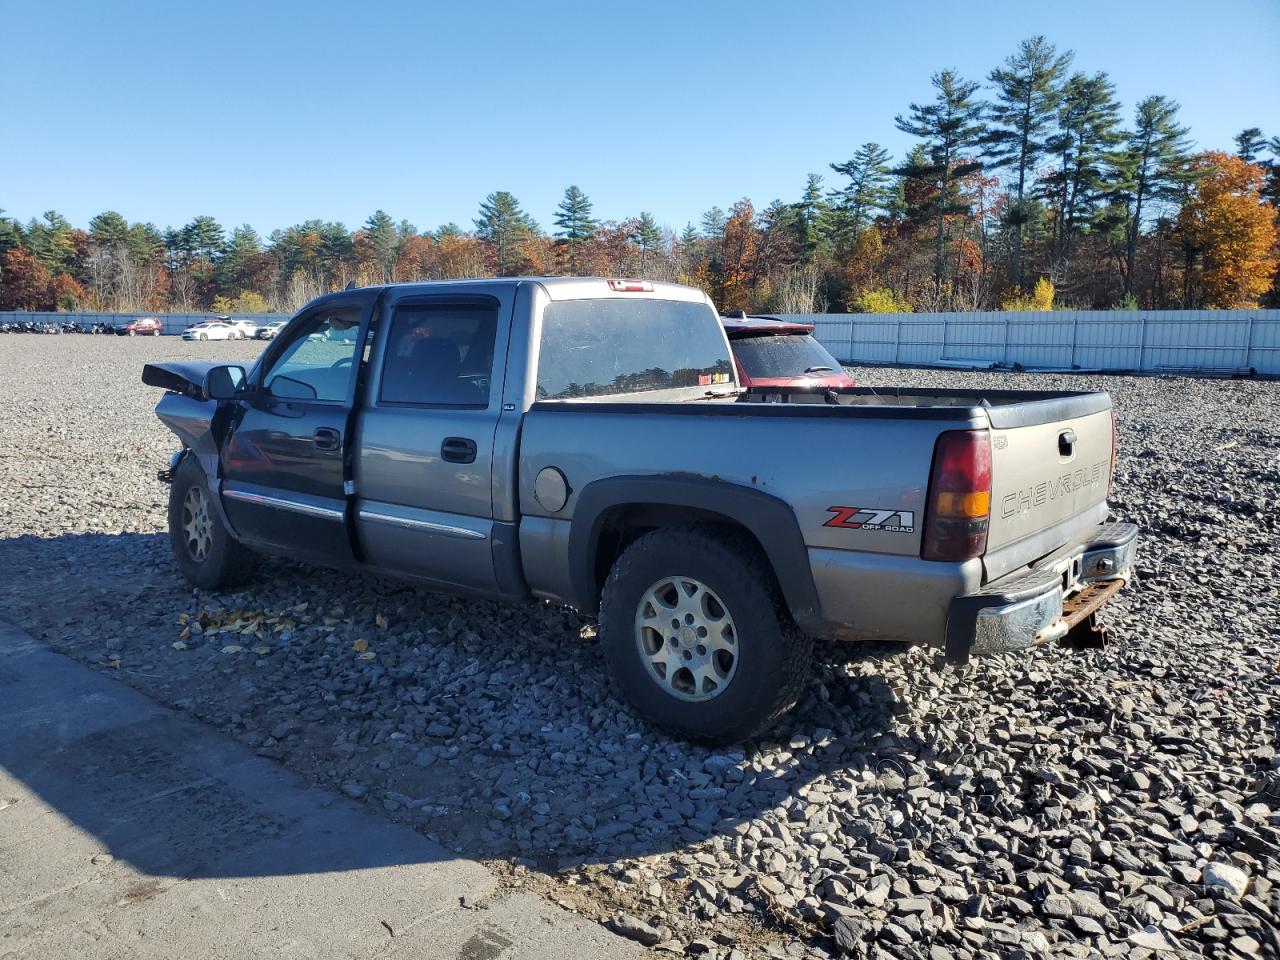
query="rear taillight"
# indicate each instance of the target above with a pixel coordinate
(1115, 454)
(959, 508)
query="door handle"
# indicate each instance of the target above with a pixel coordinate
(1066, 443)
(327, 438)
(458, 450)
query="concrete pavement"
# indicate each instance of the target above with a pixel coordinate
(128, 830)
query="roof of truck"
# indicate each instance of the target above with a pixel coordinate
(562, 288)
(757, 326)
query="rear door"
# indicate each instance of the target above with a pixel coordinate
(424, 471)
(283, 464)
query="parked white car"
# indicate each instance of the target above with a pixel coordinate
(211, 330)
(269, 331)
(246, 329)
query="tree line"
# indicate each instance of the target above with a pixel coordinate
(1026, 191)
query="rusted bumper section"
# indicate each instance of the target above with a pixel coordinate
(1055, 599)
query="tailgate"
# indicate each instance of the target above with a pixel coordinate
(1050, 469)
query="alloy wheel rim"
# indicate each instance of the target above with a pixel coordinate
(197, 525)
(686, 639)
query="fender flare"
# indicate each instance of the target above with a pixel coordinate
(766, 517)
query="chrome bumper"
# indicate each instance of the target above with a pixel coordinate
(1044, 602)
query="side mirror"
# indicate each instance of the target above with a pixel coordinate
(223, 382)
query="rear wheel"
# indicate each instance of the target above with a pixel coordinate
(204, 550)
(133, 333)
(697, 638)
(156, 332)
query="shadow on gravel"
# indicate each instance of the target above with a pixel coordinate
(491, 728)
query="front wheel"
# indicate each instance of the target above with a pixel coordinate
(204, 550)
(697, 638)
(133, 333)
(204, 336)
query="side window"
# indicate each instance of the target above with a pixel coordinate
(316, 365)
(440, 354)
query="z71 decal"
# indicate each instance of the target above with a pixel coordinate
(869, 518)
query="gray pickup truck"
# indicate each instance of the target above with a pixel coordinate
(584, 441)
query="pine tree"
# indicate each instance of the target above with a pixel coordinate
(203, 239)
(869, 191)
(647, 237)
(713, 224)
(810, 221)
(49, 240)
(10, 234)
(1088, 131)
(951, 126)
(1152, 167)
(1027, 92)
(235, 269)
(573, 217)
(384, 240)
(109, 228)
(1271, 192)
(506, 227)
(1249, 143)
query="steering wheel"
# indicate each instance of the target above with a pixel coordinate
(340, 362)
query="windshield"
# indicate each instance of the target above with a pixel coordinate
(620, 348)
(794, 355)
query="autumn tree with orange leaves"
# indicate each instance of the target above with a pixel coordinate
(1230, 228)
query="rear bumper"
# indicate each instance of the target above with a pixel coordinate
(1044, 602)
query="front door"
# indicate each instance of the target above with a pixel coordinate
(283, 472)
(425, 462)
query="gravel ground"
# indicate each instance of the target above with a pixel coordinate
(1117, 803)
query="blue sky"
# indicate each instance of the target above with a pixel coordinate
(270, 113)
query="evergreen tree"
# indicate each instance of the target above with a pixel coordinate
(1151, 168)
(146, 242)
(1027, 92)
(713, 224)
(384, 240)
(688, 236)
(951, 126)
(10, 234)
(335, 250)
(869, 191)
(647, 237)
(1249, 143)
(235, 270)
(1088, 131)
(109, 228)
(203, 239)
(1271, 192)
(810, 221)
(506, 227)
(573, 217)
(49, 240)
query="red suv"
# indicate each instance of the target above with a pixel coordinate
(777, 353)
(142, 327)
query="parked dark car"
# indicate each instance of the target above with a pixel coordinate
(769, 352)
(141, 327)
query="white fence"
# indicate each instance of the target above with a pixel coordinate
(173, 322)
(1145, 340)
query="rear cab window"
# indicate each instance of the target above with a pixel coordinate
(788, 355)
(643, 349)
